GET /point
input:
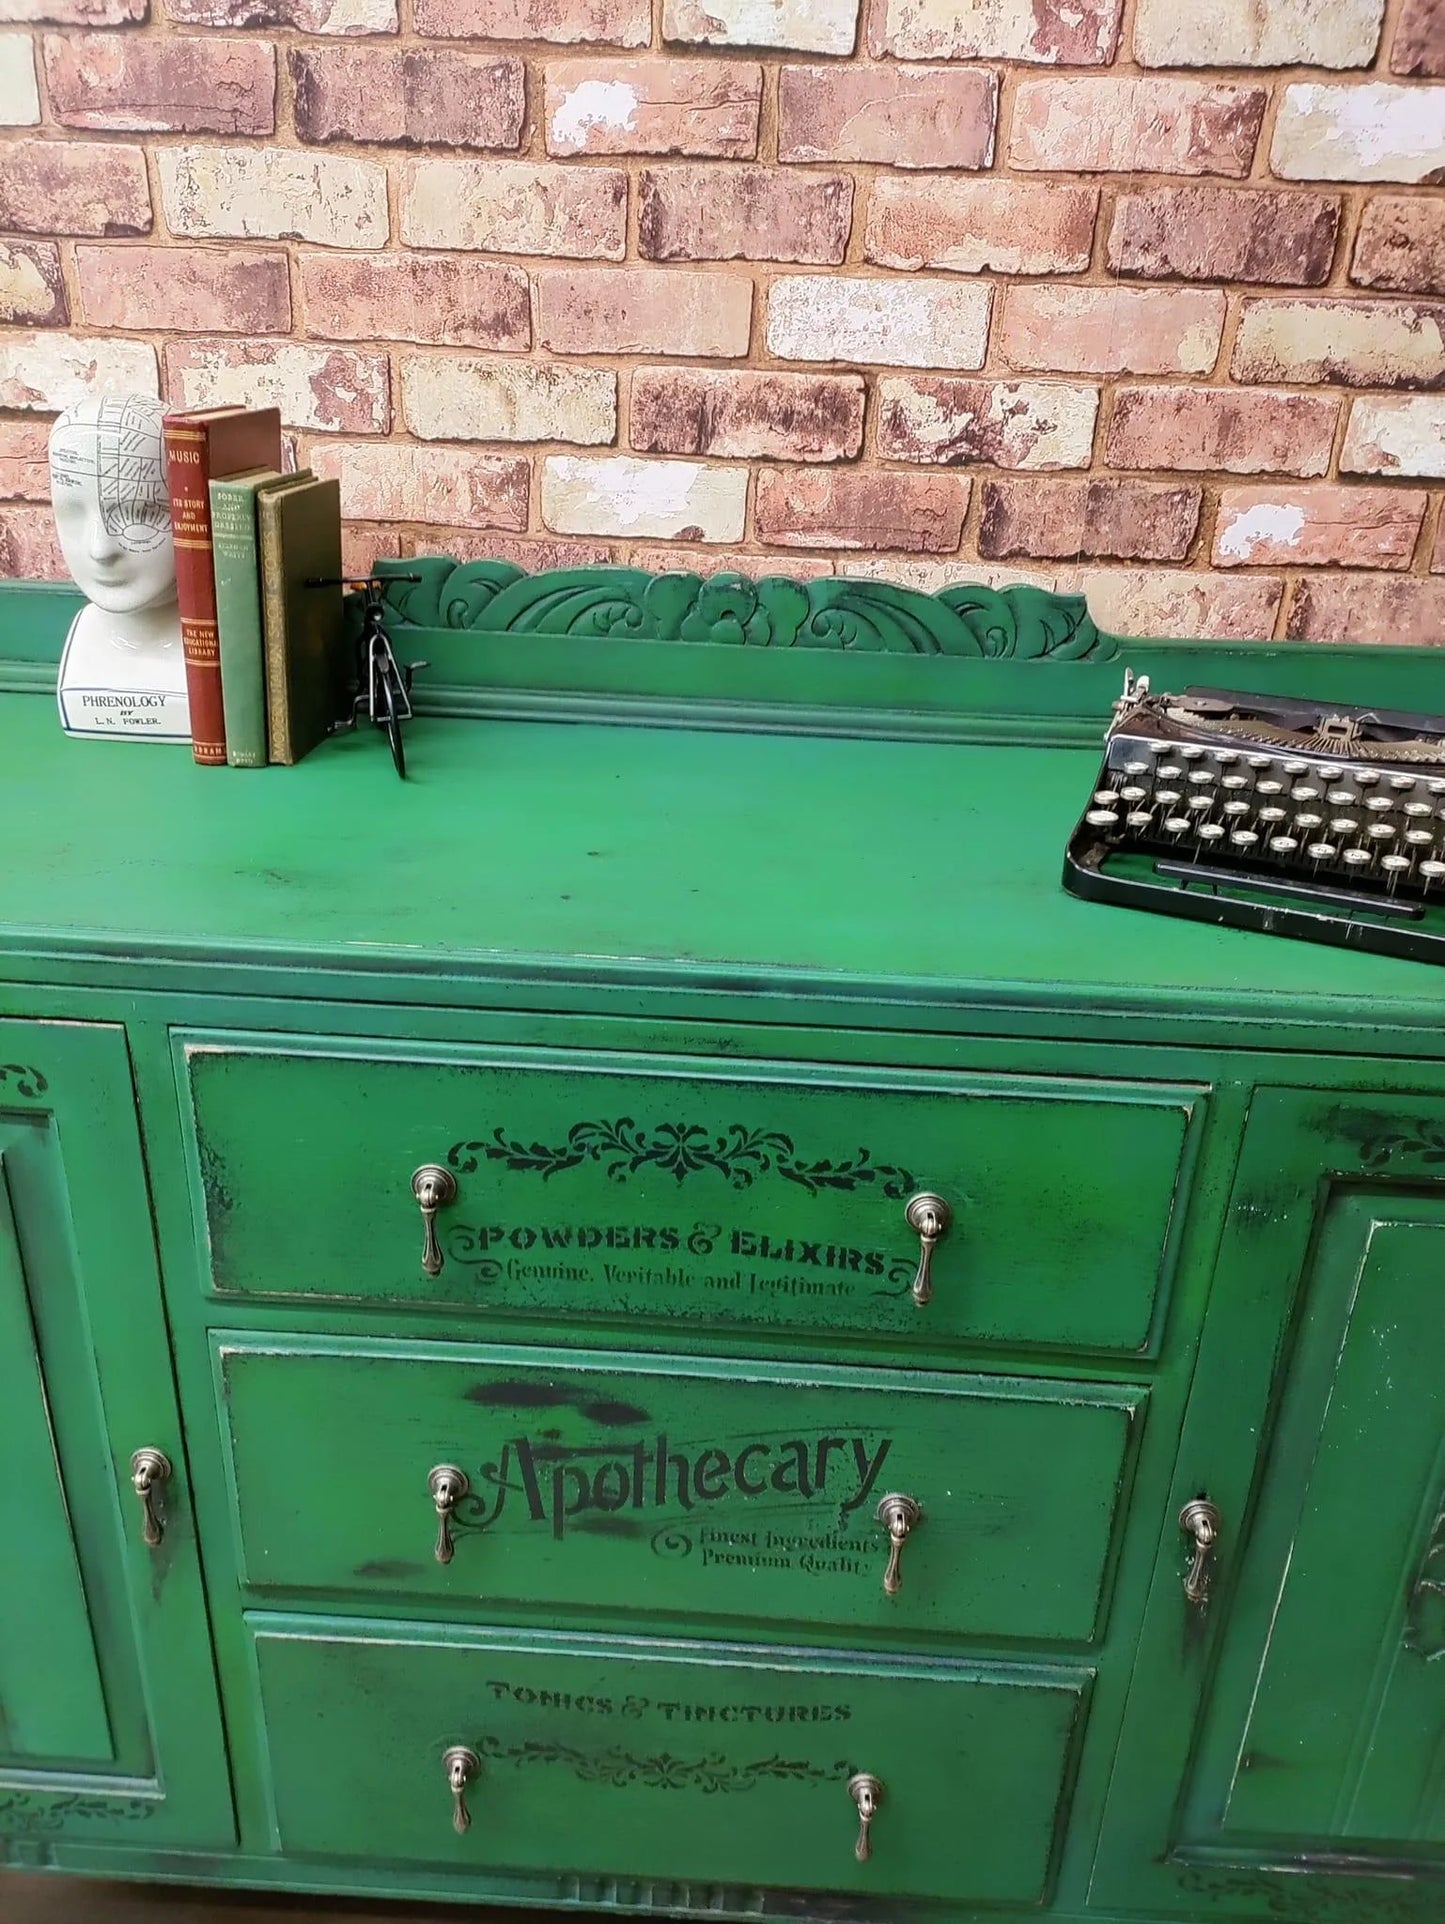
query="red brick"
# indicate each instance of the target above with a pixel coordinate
(780, 417)
(1409, 612)
(1112, 330)
(1317, 526)
(716, 561)
(75, 13)
(980, 226)
(1401, 243)
(643, 310)
(1437, 559)
(743, 213)
(362, 546)
(73, 187)
(1363, 343)
(1065, 520)
(308, 16)
(617, 23)
(32, 293)
(440, 299)
(391, 481)
(1129, 124)
(1234, 430)
(1002, 424)
(897, 116)
(535, 553)
(1170, 601)
(1225, 234)
(29, 550)
(115, 82)
(24, 461)
(654, 107)
(407, 99)
(1419, 43)
(1069, 33)
(314, 387)
(185, 290)
(827, 508)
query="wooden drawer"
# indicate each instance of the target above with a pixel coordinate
(766, 1196)
(657, 1762)
(675, 1490)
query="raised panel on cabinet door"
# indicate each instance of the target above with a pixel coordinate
(52, 1700)
(678, 1489)
(667, 1761)
(725, 1194)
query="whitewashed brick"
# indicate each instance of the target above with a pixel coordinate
(647, 500)
(19, 94)
(1373, 132)
(390, 481)
(1050, 32)
(52, 371)
(476, 400)
(314, 387)
(806, 26)
(273, 193)
(883, 323)
(1257, 33)
(1396, 434)
(1150, 602)
(516, 207)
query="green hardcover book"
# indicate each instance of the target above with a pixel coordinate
(238, 610)
(299, 533)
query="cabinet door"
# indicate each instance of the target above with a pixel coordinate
(1314, 1661)
(110, 1728)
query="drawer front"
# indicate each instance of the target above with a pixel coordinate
(644, 1762)
(772, 1196)
(677, 1490)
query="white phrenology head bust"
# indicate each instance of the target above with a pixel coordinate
(112, 507)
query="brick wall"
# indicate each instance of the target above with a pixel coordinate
(1143, 295)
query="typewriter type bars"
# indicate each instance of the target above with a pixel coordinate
(1326, 822)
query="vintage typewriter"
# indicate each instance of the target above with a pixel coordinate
(1300, 818)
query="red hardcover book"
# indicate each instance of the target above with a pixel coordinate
(200, 445)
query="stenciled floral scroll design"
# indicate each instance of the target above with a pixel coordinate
(23, 1814)
(1422, 1141)
(17, 1079)
(681, 1150)
(1425, 1611)
(713, 1775)
(732, 610)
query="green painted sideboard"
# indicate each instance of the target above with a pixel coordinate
(656, 1320)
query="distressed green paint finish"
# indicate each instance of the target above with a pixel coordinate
(673, 1491)
(40, 1723)
(117, 1727)
(655, 1763)
(722, 1195)
(1318, 1744)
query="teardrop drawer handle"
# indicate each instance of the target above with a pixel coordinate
(461, 1766)
(433, 1187)
(928, 1216)
(898, 1514)
(448, 1485)
(867, 1793)
(148, 1470)
(1200, 1521)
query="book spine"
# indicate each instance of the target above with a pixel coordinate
(273, 626)
(238, 622)
(187, 475)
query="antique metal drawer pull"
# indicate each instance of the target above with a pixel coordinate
(433, 1187)
(148, 1470)
(448, 1485)
(1201, 1522)
(898, 1514)
(461, 1766)
(929, 1217)
(867, 1793)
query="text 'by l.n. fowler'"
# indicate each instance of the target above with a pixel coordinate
(544, 1482)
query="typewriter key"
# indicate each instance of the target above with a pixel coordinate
(1402, 782)
(1105, 798)
(1435, 786)
(1283, 844)
(1340, 797)
(1321, 851)
(1432, 871)
(1358, 857)
(1176, 824)
(1226, 757)
(1308, 821)
(1296, 768)
(1138, 817)
(1381, 832)
(1237, 809)
(1102, 818)
(1198, 776)
(1306, 792)
(1192, 752)
(1377, 804)
(1167, 797)
(1344, 825)
(1212, 832)
(1419, 837)
(1235, 782)
(1199, 801)
(1394, 864)
(1133, 793)
(1261, 761)
(1417, 809)
(1171, 772)
(1274, 815)
(1270, 788)
(1366, 777)
(1244, 838)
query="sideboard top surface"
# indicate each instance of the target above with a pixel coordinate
(745, 864)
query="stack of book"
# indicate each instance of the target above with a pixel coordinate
(258, 565)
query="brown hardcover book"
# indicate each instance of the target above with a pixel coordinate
(299, 535)
(200, 446)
